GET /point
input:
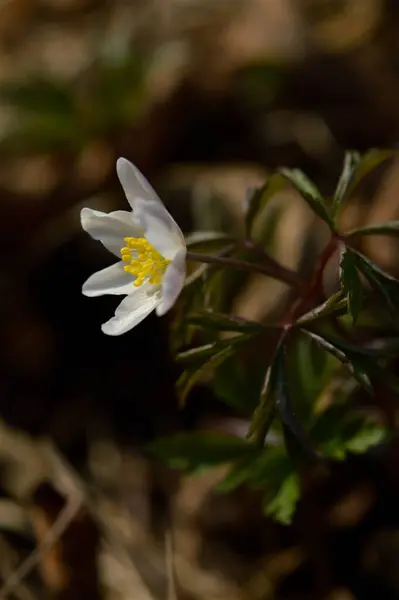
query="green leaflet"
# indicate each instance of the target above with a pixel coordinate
(309, 193)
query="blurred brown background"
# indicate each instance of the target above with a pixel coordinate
(205, 97)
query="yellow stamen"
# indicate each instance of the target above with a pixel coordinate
(143, 261)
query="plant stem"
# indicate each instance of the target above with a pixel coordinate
(308, 295)
(274, 270)
(314, 288)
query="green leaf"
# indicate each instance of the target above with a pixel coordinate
(238, 475)
(309, 371)
(41, 96)
(192, 299)
(260, 199)
(195, 451)
(377, 348)
(270, 470)
(222, 322)
(335, 305)
(265, 469)
(204, 360)
(195, 373)
(309, 193)
(265, 411)
(201, 353)
(339, 431)
(205, 272)
(285, 407)
(351, 284)
(351, 349)
(238, 381)
(270, 467)
(220, 285)
(368, 163)
(118, 92)
(365, 360)
(351, 162)
(389, 228)
(381, 281)
(44, 133)
(353, 363)
(48, 118)
(367, 437)
(282, 506)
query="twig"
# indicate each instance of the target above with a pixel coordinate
(276, 270)
(60, 525)
(170, 565)
(314, 288)
(7, 568)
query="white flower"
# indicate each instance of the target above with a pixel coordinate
(151, 248)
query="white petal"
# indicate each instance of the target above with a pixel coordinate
(110, 229)
(134, 184)
(133, 309)
(112, 280)
(143, 198)
(160, 229)
(173, 282)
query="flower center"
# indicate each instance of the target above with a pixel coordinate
(143, 261)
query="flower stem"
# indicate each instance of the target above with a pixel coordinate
(274, 269)
(314, 288)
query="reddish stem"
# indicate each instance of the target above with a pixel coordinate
(271, 269)
(315, 287)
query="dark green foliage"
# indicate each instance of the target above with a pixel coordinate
(300, 397)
